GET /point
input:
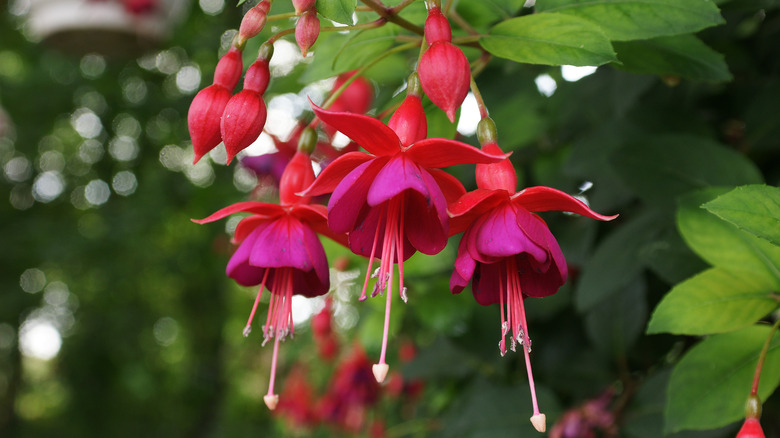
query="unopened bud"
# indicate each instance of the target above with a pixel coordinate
(486, 131)
(753, 407)
(302, 6)
(307, 30)
(253, 22)
(437, 28)
(229, 69)
(307, 141)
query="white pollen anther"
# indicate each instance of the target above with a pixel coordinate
(247, 330)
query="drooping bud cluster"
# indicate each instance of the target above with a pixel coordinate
(244, 117)
(444, 70)
(208, 105)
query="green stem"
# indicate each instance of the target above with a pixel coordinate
(761, 357)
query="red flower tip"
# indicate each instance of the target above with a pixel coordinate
(356, 98)
(409, 122)
(445, 76)
(437, 28)
(253, 22)
(242, 121)
(496, 176)
(297, 176)
(229, 69)
(751, 428)
(203, 118)
(302, 5)
(307, 30)
(257, 76)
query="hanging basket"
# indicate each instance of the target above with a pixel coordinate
(109, 27)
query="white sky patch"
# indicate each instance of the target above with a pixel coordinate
(40, 339)
(573, 73)
(469, 116)
(546, 84)
(304, 308)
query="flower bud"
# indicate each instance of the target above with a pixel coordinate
(445, 76)
(307, 30)
(203, 117)
(751, 428)
(437, 28)
(302, 6)
(257, 77)
(229, 69)
(296, 177)
(495, 176)
(253, 22)
(139, 7)
(242, 122)
(409, 121)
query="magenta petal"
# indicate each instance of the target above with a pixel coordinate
(440, 152)
(463, 268)
(426, 221)
(349, 198)
(281, 245)
(538, 284)
(314, 282)
(486, 284)
(534, 228)
(247, 225)
(238, 267)
(370, 133)
(471, 205)
(501, 236)
(333, 173)
(547, 199)
(397, 175)
(259, 208)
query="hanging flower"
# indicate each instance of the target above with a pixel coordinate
(279, 250)
(507, 252)
(392, 200)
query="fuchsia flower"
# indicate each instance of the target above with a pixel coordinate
(392, 200)
(279, 250)
(751, 428)
(444, 70)
(507, 252)
(253, 22)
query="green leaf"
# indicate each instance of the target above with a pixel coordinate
(615, 263)
(340, 11)
(550, 39)
(754, 208)
(624, 20)
(683, 55)
(661, 168)
(723, 245)
(714, 301)
(709, 385)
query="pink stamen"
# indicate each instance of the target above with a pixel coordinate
(516, 292)
(248, 327)
(271, 394)
(370, 263)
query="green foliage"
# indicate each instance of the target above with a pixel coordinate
(340, 11)
(626, 20)
(681, 55)
(755, 209)
(705, 384)
(551, 39)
